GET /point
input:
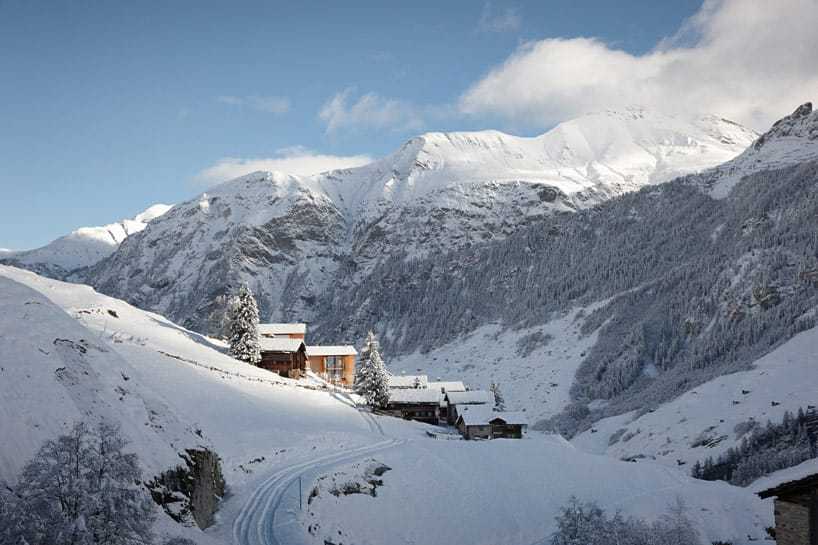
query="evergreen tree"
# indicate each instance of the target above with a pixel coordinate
(371, 378)
(80, 489)
(244, 342)
(499, 401)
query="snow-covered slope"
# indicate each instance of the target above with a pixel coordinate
(783, 380)
(83, 247)
(290, 237)
(510, 491)
(75, 354)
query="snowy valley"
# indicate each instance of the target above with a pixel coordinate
(643, 288)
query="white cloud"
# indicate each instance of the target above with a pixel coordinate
(507, 20)
(267, 104)
(749, 61)
(368, 111)
(294, 160)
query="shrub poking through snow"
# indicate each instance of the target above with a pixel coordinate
(244, 343)
(587, 524)
(371, 379)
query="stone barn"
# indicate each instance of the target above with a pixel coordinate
(796, 511)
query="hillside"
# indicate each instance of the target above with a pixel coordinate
(291, 237)
(76, 354)
(671, 288)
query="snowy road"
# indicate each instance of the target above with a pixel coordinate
(270, 515)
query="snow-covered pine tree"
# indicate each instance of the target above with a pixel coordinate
(499, 401)
(244, 342)
(371, 379)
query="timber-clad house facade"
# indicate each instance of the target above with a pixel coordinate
(284, 351)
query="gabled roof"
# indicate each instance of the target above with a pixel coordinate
(483, 415)
(280, 344)
(414, 395)
(282, 329)
(326, 350)
(408, 381)
(471, 397)
(448, 386)
(808, 483)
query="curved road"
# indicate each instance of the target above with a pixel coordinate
(270, 514)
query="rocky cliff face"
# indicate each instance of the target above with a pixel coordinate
(291, 238)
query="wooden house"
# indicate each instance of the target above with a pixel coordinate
(287, 331)
(283, 355)
(456, 400)
(446, 386)
(481, 422)
(335, 364)
(402, 382)
(796, 511)
(420, 404)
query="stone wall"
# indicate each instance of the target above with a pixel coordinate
(791, 523)
(191, 493)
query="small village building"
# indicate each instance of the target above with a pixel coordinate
(408, 381)
(335, 364)
(420, 404)
(481, 422)
(283, 355)
(288, 331)
(796, 511)
(455, 401)
(446, 386)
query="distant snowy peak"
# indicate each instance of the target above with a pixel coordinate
(84, 246)
(609, 152)
(791, 140)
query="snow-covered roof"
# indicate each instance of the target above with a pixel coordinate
(471, 397)
(282, 329)
(338, 350)
(483, 415)
(414, 395)
(408, 381)
(448, 386)
(279, 344)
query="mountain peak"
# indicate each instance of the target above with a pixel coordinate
(792, 139)
(802, 123)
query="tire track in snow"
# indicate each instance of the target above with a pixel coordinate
(257, 523)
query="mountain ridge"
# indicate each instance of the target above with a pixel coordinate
(290, 237)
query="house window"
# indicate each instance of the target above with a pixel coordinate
(335, 368)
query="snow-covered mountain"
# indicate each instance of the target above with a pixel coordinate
(621, 308)
(82, 247)
(292, 237)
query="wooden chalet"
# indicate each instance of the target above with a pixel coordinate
(335, 364)
(446, 386)
(481, 422)
(402, 382)
(796, 511)
(455, 401)
(283, 355)
(420, 404)
(287, 331)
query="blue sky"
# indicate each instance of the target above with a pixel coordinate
(108, 107)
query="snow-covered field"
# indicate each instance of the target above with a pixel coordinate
(71, 353)
(509, 491)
